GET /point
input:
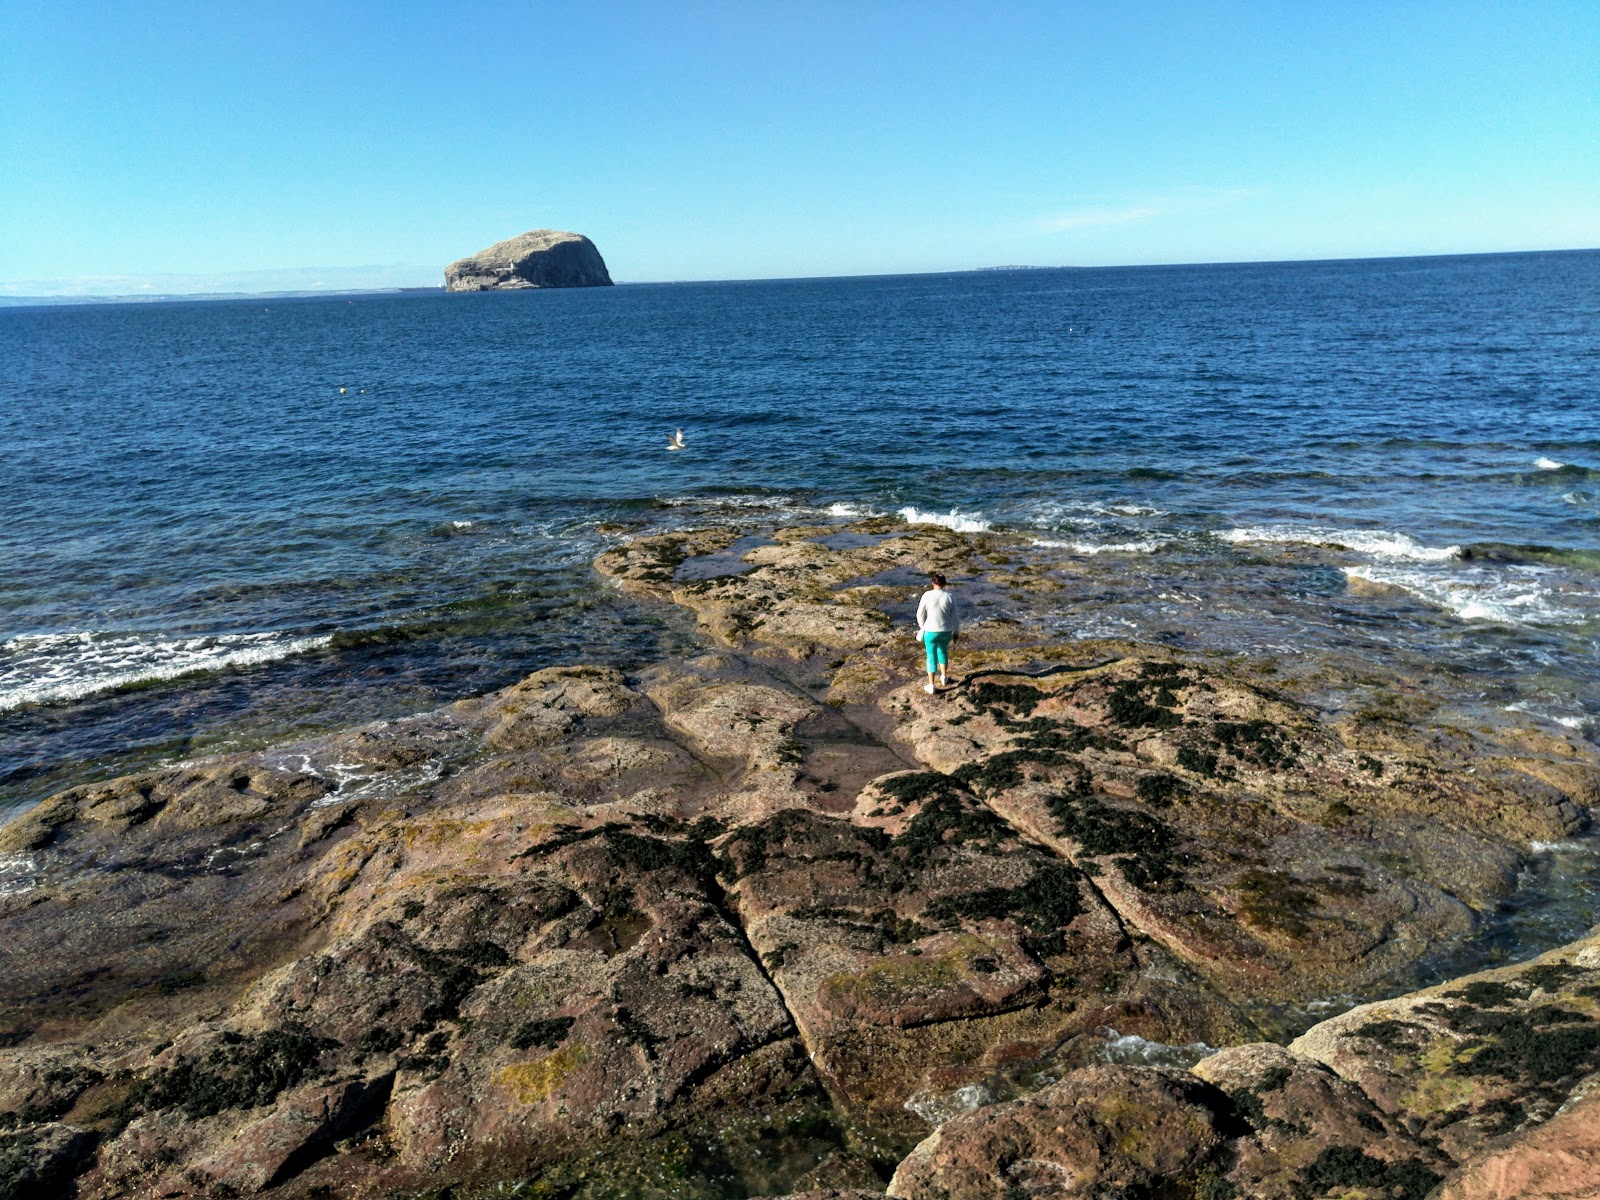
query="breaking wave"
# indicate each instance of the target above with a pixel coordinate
(953, 519)
(1379, 543)
(48, 668)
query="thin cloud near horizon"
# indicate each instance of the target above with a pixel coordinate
(1144, 210)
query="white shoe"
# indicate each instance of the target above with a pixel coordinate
(943, 682)
(928, 687)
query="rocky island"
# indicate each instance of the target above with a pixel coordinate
(540, 258)
(767, 919)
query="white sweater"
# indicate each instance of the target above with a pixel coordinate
(936, 612)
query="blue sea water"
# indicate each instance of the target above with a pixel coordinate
(226, 521)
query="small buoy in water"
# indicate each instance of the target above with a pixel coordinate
(341, 391)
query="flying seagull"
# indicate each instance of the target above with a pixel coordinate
(676, 442)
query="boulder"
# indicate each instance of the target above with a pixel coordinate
(540, 258)
(1101, 1131)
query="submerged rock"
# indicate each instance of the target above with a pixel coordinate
(540, 258)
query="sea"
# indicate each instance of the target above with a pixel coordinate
(229, 522)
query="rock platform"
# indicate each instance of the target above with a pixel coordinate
(772, 920)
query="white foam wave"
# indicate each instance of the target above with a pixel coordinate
(852, 510)
(1147, 546)
(1567, 722)
(1511, 597)
(1133, 1050)
(1562, 847)
(1379, 543)
(18, 876)
(950, 520)
(46, 668)
(938, 1107)
(461, 524)
(1050, 514)
(1548, 464)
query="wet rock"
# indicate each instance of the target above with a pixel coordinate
(1477, 1058)
(1306, 1125)
(1559, 1160)
(41, 1162)
(924, 942)
(1102, 1131)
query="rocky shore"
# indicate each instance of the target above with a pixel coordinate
(770, 920)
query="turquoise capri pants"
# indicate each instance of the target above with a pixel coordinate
(938, 647)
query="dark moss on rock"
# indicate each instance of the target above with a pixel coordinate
(245, 1071)
(1143, 847)
(1340, 1168)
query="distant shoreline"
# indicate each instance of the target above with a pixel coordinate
(60, 301)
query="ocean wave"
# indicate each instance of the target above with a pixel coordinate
(1147, 546)
(953, 519)
(1510, 597)
(1548, 464)
(1380, 543)
(1129, 1049)
(1049, 514)
(49, 668)
(853, 511)
(1566, 722)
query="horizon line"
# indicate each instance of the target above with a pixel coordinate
(68, 299)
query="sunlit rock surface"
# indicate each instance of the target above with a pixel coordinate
(757, 920)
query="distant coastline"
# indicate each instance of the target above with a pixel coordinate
(174, 297)
(57, 301)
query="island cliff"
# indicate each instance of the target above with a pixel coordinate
(540, 258)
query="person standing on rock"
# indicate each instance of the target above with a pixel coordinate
(937, 626)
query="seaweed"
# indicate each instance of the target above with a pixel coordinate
(1274, 1078)
(28, 1171)
(693, 856)
(456, 971)
(379, 1040)
(1159, 790)
(1018, 697)
(246, 1071)
(1344, 1167)
(1258, 741)
(919, 786)
(1391, 1035)
(1144, 847)
(1484, 993)
(748, 848)
(1199, 760)
(1047, 902)
(634, 1032)
(1276, 900)
(1135, 704)
(947, 820)
(1540, 1050)
(1550, 976)
(1248, 1104)
(1005, 770)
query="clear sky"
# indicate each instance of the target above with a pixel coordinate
(251, 146)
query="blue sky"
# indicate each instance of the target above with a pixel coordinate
(195, 147)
